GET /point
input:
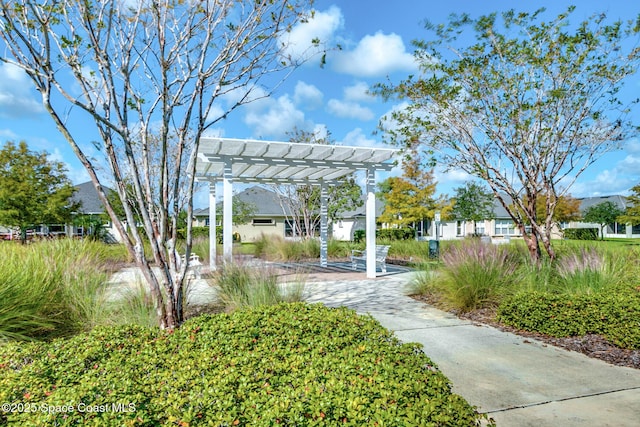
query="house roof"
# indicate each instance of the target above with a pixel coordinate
(87, 196)
(266, 202)
(618, 200)
(585, 202)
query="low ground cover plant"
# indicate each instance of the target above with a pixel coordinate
(290, 364)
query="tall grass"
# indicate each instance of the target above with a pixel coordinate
(472, 274)
(278, 249)
(52, 288)
(241, 286)
(588, 270)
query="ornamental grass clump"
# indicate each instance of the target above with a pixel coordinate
(587, 270)
(476, 274)
(241, 286)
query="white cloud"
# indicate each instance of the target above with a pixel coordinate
(16, 97)
(357, 138)
(374, 56)
(349, 110)
(8, 134)
(358, 93)
(320, 26)
(307, 95)
(274, 117)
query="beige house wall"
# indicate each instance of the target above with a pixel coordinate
(250, 232)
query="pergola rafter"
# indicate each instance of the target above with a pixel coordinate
(229, 160)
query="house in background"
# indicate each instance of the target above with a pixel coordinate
(91, 206)
(502, 228)
(615, 230)
(269, 218)
(348, 222)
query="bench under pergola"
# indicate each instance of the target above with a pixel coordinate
(232, 161)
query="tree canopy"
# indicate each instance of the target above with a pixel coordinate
(631, 214)
(526, 108)
(410, 199)
(603, 214)
(149, 79)
(33, 189)
(473, 202)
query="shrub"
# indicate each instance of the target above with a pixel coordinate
(581, 233)
(359, 236)
(395, 233)
(612, 314)
(291, 364)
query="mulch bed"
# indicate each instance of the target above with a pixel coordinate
(591, 345)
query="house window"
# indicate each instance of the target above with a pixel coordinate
(206, 222)
(459, 228)
(480, 228)
(263, 221)
(504, 227)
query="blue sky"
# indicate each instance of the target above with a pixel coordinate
(376, 38)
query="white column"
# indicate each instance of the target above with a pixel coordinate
(212, 225)
(324, 198)
(227, 212)
(370, 223)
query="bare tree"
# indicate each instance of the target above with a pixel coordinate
(301, 203)
(152, 76)
(527, 108)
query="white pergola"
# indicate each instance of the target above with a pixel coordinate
(229, 161)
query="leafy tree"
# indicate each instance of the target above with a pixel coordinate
(602, 214)
(242, 212)
(566, 209)
(529, 105)
(410, 199)
(473, 202)
(152, 77)
(33, 189)
(303, 202)
(631, 214)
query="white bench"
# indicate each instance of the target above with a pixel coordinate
(193, 272)
(381, 257)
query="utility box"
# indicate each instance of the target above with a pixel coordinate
(434, 248)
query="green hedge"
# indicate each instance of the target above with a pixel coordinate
(295, 364)
(615, 315)
(581, 233)
(395, 233)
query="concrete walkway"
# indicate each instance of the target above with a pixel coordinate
(517, 381)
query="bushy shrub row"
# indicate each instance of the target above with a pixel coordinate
(295, 364)
(615, 315)
(395, 233)
(581, 233)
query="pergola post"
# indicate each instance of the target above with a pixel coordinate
(227, 211)
(324, 198)
(370, 223)
(212, 226)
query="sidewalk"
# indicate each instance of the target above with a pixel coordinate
(517, 381)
